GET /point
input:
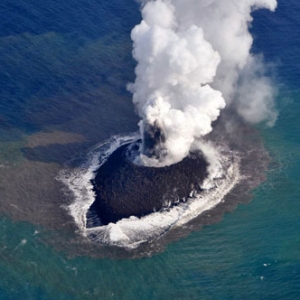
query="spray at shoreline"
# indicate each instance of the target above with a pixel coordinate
(193, 59)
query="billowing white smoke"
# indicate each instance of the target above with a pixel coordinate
(194, 58)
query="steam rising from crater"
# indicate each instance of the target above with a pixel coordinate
(194, 59)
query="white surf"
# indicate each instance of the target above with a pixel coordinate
(131, 232)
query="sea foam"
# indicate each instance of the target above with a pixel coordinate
(131, 232)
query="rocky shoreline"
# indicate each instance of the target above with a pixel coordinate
(124, 189)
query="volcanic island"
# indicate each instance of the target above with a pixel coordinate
(124, 189)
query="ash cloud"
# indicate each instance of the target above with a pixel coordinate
(193, 59)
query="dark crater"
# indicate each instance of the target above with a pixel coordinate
(125, 189)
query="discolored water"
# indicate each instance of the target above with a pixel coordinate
(64, 70)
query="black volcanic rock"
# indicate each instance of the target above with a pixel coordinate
(124, 189)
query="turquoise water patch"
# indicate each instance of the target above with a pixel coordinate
(65, 69)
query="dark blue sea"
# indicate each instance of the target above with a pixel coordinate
(64, 66)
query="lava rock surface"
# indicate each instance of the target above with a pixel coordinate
(124, 189)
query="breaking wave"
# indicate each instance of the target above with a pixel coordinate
(133, 231)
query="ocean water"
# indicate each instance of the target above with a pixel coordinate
(63, 76)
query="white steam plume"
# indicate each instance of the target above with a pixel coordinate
(194, 58)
